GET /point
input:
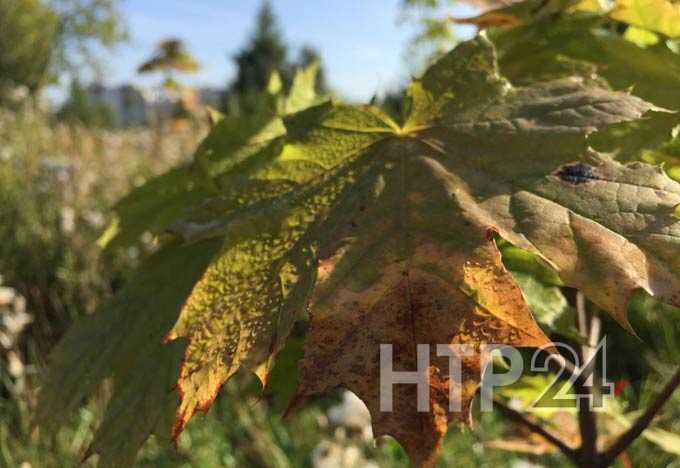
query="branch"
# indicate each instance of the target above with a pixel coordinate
(536, 428)
(641, 423)
(589, 331)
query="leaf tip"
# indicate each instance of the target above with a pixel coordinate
(178, 426)
(294, 405)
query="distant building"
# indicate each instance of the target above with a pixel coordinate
(127, 104)
(133, 106)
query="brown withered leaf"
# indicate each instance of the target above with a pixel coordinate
(400, 275)
(436, 296)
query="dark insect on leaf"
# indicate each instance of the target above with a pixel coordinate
(577, 173)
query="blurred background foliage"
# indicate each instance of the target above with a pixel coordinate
(60, 172)
(29, 29)
(42, 40)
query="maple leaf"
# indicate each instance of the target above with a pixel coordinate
(662, 16)
(405, 217)
(659, 16)
(585, 45)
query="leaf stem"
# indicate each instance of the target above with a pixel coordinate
(536, 428)
(628, 437)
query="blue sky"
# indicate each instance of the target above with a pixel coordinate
(362, 42)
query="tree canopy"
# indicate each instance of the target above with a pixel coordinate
(43, 39)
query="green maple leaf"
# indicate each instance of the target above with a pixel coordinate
(386, 233)
(585, 45)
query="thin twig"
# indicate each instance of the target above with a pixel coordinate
(581, 315)
(536, 428)
(586, 416)
(640, 424)
(595, 327)
(559, 363)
